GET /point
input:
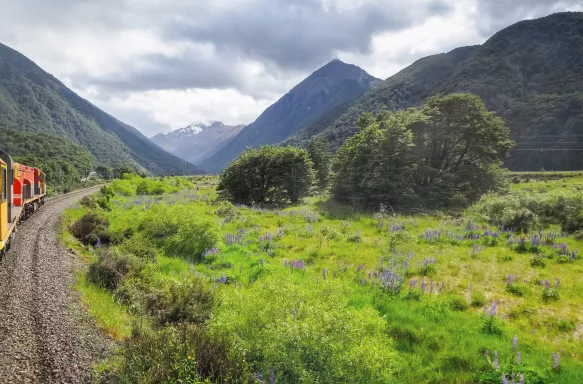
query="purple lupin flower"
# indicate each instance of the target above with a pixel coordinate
(504, 379)
(496, 360)
(521, 379)
(556, 360)
(517, 357)
(487, 354)
(515, 343)
(558, 283)
(294, 312)
(272, 377)
(423, 285)
(493, 309)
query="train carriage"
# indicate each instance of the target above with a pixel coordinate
(23, 191)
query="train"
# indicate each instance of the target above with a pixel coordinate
(23, 191)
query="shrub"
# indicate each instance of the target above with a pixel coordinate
(110, 269)
(537, 261)
(267, 175)
(516, 289)
(184, 354)
(138, 246)
(189, 301)
(458, 303)
(550, 294)
(89, 228)
(355, 237)
(478, 299)
(413, 294)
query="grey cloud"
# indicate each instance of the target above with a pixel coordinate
(498, 14)
(158, 72)
(297, 34)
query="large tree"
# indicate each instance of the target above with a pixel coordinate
(267, 175)
(446, 153)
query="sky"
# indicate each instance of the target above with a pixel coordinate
(160, 65)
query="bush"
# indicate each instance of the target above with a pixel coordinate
(413, 294)
(184, 354)
(458, 303)
(267, 175)
(537, 261)
(189, 301)
(478, 299)
(109, 270)
(516, 289)
(90, 228)
(550, 294)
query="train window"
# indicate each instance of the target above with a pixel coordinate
(4, 193)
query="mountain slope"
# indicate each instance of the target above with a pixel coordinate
(196, 142)
(331, 86)
(530, 74)
(35, 101)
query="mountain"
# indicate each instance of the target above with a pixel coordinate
(32, 100)
(334, 85)
(196, 142)
(530, 74)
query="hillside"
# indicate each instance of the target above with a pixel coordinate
(35, 101)
(530, 74)
(196, 142)
(330, 87)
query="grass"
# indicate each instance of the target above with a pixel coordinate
(274, 313)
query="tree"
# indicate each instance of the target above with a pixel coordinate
(445, 153)
(267, 175)
(104, 172)
(124, 169)
(376, 165)
(322, 160)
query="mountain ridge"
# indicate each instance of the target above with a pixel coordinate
(33, 100)
(528, 73)
(325, 89)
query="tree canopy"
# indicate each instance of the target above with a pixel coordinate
(268, 175)
(446, 153)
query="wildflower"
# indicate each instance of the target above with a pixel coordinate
(493, 309)
(504, 379)
(517, 357)
(496, 360)
(515, 343)
(556, 360)
(558, 283)
(294, 312)
(521, 379)
(272, 377)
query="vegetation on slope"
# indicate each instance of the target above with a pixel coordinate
(34, 101)
(321, 293)
(528, 73)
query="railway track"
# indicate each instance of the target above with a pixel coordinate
(44, 335)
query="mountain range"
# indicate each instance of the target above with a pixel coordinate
(328, 90)
(32, 100)
(196, 142)
(530, 74)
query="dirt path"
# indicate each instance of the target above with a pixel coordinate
(44, 335)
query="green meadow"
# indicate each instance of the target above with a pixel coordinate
(198, 290)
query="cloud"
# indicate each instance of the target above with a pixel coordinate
(502, 13)
(163, 64)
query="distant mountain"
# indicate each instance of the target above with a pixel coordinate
(530, 74)
(331, 87)
(32, 100)
(196, 142)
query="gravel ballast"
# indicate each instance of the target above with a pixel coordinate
(45, 334)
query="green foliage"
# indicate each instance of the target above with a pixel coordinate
(394, 160)
(189, 301)
(324, 341)
(478, 299)
(524, 211)
(267, 175)
(90, 228)
(550, 294)
(322, 161)
(110, 269)
(32, 101)
(527, 73)
(175, 355)
(517, 289)
(458, 303)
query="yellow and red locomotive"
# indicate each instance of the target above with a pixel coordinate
(22, 191)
